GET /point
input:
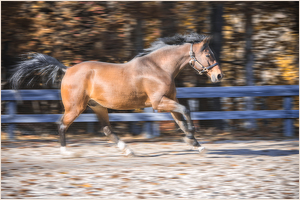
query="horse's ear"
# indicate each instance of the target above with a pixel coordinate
(207, 39)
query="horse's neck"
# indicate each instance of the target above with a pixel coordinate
(173, 59)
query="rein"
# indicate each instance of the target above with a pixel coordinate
(193, 58)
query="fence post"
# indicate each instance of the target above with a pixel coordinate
(11, 111)
(90, 125)
(288, 122)
(250, 123)
(151, 128)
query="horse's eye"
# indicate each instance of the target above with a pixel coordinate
(208, 55)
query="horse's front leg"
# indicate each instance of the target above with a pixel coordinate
(178, 111)
(190, 138)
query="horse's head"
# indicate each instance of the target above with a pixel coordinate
(204, 61)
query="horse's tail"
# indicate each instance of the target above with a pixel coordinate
(36, 65)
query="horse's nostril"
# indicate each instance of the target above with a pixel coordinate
(219, 77)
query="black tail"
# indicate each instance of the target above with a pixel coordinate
(34, 66)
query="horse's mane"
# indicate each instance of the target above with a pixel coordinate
(178, 39)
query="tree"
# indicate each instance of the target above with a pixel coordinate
(216, 45)
(168, 20)
(249, 58)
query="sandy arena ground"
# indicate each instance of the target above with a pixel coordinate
(229, 169)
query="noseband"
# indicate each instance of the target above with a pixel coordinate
(193, 58)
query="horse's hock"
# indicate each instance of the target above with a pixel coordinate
(229, 169)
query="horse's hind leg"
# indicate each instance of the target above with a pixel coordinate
(73, 108)
(102, 115)
(65, 122)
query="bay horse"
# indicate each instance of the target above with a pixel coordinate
(145, 81)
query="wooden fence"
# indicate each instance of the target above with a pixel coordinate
(286, 91)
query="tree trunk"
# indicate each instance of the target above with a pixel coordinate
(139, 43)
(216, 46)
(168, 21)
(138, 29)
(137, 38)
(250, 124)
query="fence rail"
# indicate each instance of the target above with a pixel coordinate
(286, 91)
(182, 92)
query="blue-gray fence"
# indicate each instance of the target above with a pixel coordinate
(286, 91)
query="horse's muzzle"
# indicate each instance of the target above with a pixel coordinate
(216, 78)
(219, 77)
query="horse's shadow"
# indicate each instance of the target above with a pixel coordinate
(168, 153)
(265, 152)
(224, 152)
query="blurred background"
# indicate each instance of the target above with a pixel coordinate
(257, 43)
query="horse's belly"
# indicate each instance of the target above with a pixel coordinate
(119, 101)
(118, 92)
(127, 103)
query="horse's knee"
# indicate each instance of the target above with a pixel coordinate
(185, 111)
(182, 109)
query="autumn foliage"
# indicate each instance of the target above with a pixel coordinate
(115, 31)
(74, 31)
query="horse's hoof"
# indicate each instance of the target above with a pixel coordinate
(69, 154)
(201, 150)
(129, 153)
(121, 145)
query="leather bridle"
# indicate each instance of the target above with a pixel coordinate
(193, 58)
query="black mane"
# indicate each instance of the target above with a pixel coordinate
(175, 40)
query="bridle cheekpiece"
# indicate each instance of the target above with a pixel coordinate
(194, 59)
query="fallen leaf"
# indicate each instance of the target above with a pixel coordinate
(153, 193)
(89, 192)
(115, 176)
(287, 193)
(65, 194)
(12, 194)
(86, 185)
(153, 183)
(22, 191)
(29, 195)
(270, 169)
